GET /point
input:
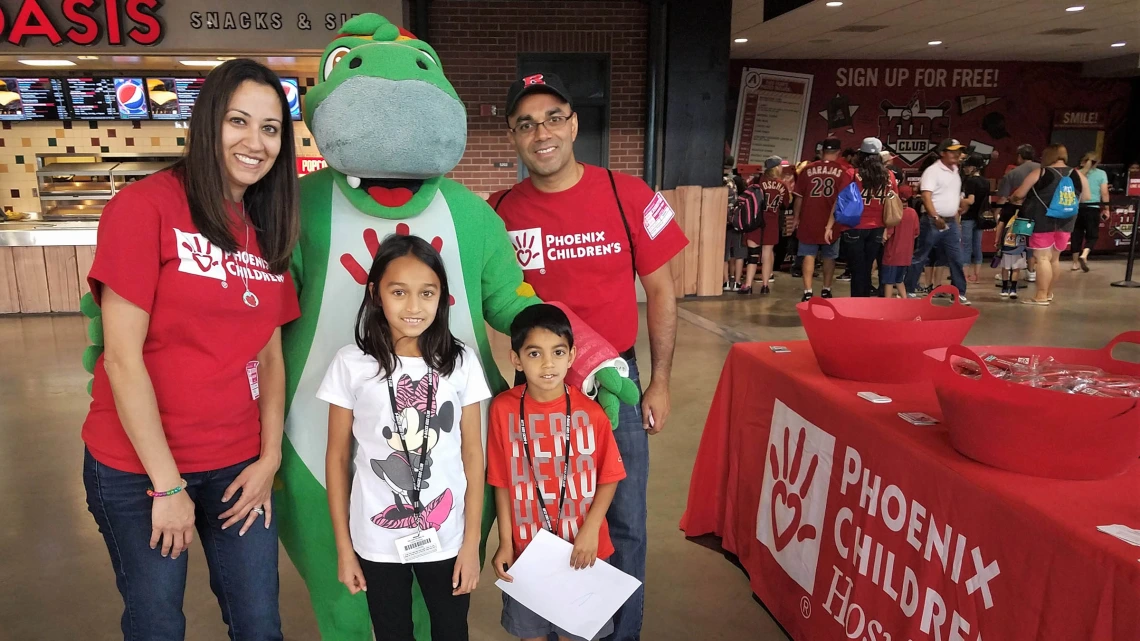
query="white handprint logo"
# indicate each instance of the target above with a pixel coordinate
(528, 248)
(793, 499)
(199, 256)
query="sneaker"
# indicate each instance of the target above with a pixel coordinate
(1033, 277)
(727, 287)
(807, 297)
(845, 277)
(765, 290)
(1005, 290)
(797, 272)
(825, 293)
(913, 295)
(1013, 291)
(962, 300)
(735, 286)
(744, 291)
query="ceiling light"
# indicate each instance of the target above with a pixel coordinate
(1075, 9)
(88, 57)
(200, 63)
(934, 43)
(1119, 44)
(835, 4)
(47, 63)
(225, 58)
(740, 40)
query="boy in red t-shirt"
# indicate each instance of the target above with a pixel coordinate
(578, 468)
(899, 248)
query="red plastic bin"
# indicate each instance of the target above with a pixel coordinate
(1034, 431)
(878, 340)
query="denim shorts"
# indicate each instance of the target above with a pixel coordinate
(521, 622)
(827, 252)
(892, 274)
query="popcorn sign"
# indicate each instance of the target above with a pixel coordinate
(307, 165)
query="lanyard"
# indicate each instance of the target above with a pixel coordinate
(401, 430)
(530, 462)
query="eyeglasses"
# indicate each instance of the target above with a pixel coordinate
(553, 123)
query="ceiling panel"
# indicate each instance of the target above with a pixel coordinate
(969, 29)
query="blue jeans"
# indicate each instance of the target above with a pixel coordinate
(948, 242)
(971, 243)
(627, 514)
(243, 570)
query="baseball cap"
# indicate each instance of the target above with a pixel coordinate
(773, 161)
(535, 83)
(975, 160)
(871, 146)
(905, 192)
(831, 144)
(950, 144)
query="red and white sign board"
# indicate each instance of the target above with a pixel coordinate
(309, 164)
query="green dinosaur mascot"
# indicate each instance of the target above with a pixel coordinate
(390, 126)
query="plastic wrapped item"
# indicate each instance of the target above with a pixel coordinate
(1044, 372)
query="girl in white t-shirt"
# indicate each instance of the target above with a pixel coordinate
(404, 411)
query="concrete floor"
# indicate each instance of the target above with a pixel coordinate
(55, 576)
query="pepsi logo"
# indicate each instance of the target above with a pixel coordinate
(131, 97)
(292, 95)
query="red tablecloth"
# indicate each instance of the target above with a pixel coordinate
(854, 524)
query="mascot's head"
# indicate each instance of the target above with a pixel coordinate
(383, 114)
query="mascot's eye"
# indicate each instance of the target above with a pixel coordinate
(421, 64)
(334, 58)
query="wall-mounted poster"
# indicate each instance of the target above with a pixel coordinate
(771, 115)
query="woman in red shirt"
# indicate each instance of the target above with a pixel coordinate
(187, 412)
(864, 242)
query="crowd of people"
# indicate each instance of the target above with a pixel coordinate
(939, 235)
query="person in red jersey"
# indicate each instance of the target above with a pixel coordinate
(762, 242)
(817, 189)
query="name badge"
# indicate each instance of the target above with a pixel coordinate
(417, 546)
(251, 374)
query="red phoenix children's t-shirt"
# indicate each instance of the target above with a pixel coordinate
(899, 249)
(594, 461)
(573, 248)
(202, 335)
(818, 187)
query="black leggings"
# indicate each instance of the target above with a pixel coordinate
(390, 600)
(1087, 230)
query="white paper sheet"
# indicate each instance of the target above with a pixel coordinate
(1122, 532)
(578, 601)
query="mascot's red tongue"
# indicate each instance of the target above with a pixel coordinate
(390, 197)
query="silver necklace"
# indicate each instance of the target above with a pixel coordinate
(249, 298)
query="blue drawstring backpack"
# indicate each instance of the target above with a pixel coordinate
(849, 206)
(1065, 203)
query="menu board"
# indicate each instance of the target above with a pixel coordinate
(107, 99)
(32, 99)
(172, 98)
(293, 95)
(771, 116)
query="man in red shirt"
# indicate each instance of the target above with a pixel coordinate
(817, 189)
(582, 235)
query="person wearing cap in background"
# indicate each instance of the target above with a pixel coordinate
(816, 191)
(762, 242)
(941, 188)
(977, 195)
(864, 241)
(583, 234)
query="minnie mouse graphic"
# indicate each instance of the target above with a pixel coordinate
(396, 470)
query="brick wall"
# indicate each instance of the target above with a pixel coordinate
(479, 43)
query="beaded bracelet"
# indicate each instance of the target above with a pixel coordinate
(157, 495)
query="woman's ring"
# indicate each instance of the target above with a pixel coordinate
(259, 510)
